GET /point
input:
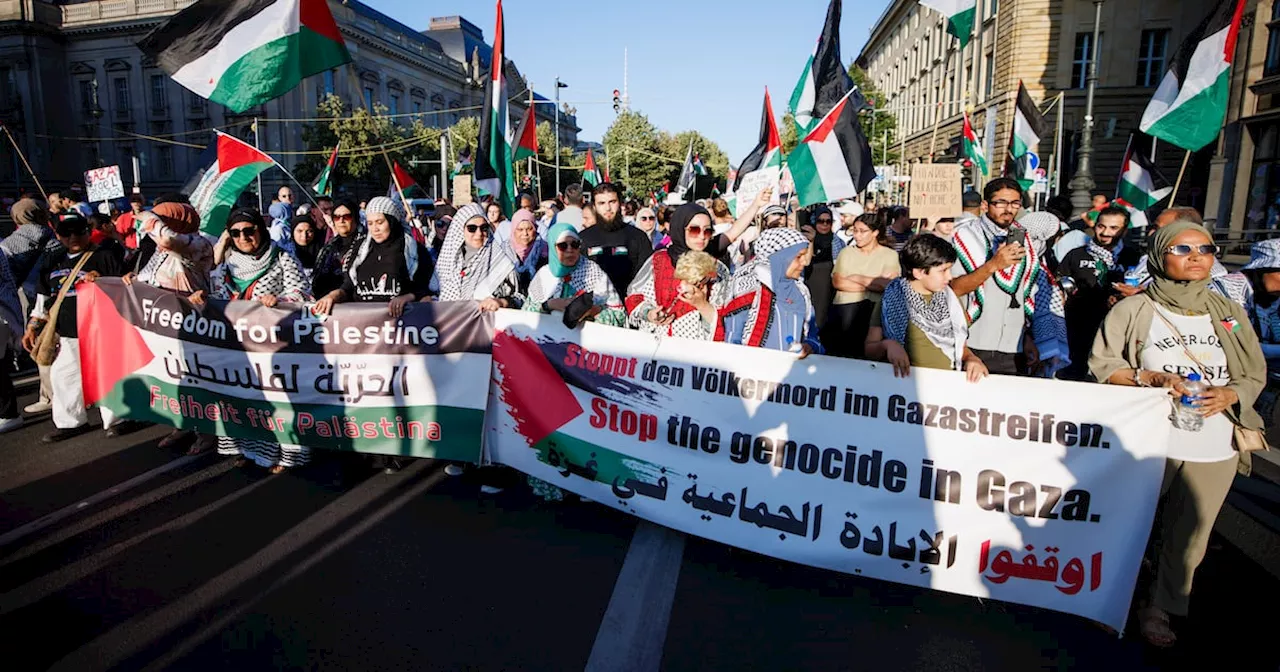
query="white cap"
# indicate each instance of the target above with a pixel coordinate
(851, 208)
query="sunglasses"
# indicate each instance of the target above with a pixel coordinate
(647, 219)
(344, 218)
(472, 228)
(707, 281)
(825, 220)
(247, 232)
(566, 245)
(698, 230)
(1186, 250)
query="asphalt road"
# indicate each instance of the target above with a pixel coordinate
(203, 566)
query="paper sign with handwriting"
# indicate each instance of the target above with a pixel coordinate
(935, 191)
(1025, 490)
(358, 379)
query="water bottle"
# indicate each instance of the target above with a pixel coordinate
(1133, 277)
(1186, 415)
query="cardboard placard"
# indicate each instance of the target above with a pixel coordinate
(461, 190)
(103, 184)
(935, 191)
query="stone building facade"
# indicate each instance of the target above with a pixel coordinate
(76, 92)
(1047, 45)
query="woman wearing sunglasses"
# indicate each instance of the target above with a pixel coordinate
(472, 267)
(569, 274)
(327, 275)
(1176, 327)
(653, 303)
(256, 270)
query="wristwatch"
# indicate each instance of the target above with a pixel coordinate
(1137, 378)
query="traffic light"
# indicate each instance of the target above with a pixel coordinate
(617, 101)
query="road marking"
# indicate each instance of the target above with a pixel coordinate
(41, 523)
(634, 628)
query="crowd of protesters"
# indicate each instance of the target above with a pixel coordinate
(994, 290)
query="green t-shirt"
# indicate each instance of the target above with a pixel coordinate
(920, 350)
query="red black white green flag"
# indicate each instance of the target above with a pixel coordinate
(493, 171)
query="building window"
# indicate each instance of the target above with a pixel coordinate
(1081, 58)
(194, 102)
(368, 98)
(165, 160)
(159, 100)
(1151, 56)
(395, 105)
(990, 64)
(328, 82)
(993, 6)
(1272, 66)
(86, 94)
(121, 87)
(417, 106)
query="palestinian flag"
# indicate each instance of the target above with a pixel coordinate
(688, 178)
(526, 138)
(463, 166)
(768, 150)
(960, 16)
(715, 189)
(824, 80)
(230, 165)
(699, 168)
(590, 173)
(242, 53)
(834, 160)
(1191, 102)
(493, 170)
(973, 148)
(1028, 128)
(1137, 216)
(403, 188)
(1140, 185)
(324, 181)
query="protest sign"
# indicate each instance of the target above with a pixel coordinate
(461, 190)
(358, 379)
(1030, 491)
(756, 181)
(935, 191)
(103, 184)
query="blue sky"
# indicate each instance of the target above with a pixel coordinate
(694, 64)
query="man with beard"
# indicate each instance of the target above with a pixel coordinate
(617, 248)
(1095, 269)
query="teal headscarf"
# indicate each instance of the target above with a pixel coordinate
(559, 233)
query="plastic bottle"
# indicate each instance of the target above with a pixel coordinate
(1132, 277)
(1186, 415)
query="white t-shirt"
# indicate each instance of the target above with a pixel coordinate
(1164, 353)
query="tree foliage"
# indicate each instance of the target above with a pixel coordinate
(633, 143)
(787, 132)
(875, 123)
(363, 134)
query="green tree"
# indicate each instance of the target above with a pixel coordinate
(676, 146)
(363, 135)
(787, 132)
(632, 142)
(876, 122)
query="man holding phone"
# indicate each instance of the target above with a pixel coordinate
(995, 277)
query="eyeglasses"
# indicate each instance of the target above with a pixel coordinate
(646, 219)
(1013, 205)
(566, 245)
(1186, 250)
(344, 218)
(247, 232)
(472, 228)
(824, 220)
(698, 230)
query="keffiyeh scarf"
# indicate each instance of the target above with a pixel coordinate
(481, 273)
(778, 308)
(941, 319)
(975, 243)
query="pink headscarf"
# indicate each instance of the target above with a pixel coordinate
(520, 217)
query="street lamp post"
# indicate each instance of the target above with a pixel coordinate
(559, 85)
(1082, 184)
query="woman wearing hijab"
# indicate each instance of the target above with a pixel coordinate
(388, 265)
(770, 308)
(183, 258)
(306, 242)
(473, 267)
(329, 273)
(254, 269)
(1211, 336)
(826, 247)
(647, 221)
(529, 250)
(652, 298)
(569, 274)
(919, 321)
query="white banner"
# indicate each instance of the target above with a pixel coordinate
(103, 184)
(756, 181)
(1030, 491)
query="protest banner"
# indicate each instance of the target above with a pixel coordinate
(935, 191)
(103, 184)
(1030, 491)
(358, 379)
(755, 182)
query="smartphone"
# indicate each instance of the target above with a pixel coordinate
(1017, 237)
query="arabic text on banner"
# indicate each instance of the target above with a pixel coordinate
(358, 379)
(1030, 491)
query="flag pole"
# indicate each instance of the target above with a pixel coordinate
(396, 181)
(256, 133)
(1173, 198)
(22, 156)
(1057, 147)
